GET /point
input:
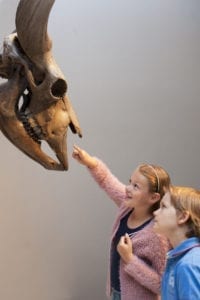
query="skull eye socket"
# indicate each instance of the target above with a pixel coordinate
(59, 88)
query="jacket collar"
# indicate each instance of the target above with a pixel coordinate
(184, 247)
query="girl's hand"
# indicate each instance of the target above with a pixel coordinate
(124, 248)
(83, 157)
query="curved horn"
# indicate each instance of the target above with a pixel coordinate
(31, 25)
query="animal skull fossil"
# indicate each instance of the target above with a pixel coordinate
(34, 105)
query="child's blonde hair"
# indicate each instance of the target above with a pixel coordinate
(188, 199)
(158, 180)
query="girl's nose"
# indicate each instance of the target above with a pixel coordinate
(128, 188)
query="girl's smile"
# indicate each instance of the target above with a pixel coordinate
(137, 192)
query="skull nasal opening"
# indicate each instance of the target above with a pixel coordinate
(59, 88)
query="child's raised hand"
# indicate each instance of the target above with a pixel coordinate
(83, 157)
(124, 248)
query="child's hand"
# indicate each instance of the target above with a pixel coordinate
(83, 157)
(124, 248)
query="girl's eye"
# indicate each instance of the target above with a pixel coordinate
(135, 185)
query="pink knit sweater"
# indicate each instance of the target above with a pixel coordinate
(139, 281)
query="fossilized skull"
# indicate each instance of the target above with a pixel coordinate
(34, 105)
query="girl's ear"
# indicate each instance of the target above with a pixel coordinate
(183, 217)
(155, 197)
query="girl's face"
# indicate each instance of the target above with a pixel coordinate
(137, 192)
(166, 221)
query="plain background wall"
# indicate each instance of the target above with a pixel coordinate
(133, 71)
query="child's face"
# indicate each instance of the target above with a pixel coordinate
(137, 192)
(166, 221)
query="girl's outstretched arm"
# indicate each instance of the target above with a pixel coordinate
(102, 175)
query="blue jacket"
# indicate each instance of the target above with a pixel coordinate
(181, 279)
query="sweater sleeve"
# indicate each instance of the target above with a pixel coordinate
(147, 269)
(108, 182)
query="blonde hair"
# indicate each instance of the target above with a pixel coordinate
(188, 199)
(158, 180)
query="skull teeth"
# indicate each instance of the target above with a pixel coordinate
(33, 130)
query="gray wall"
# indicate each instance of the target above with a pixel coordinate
(133, 71)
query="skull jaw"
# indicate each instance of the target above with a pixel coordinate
(15, 132)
